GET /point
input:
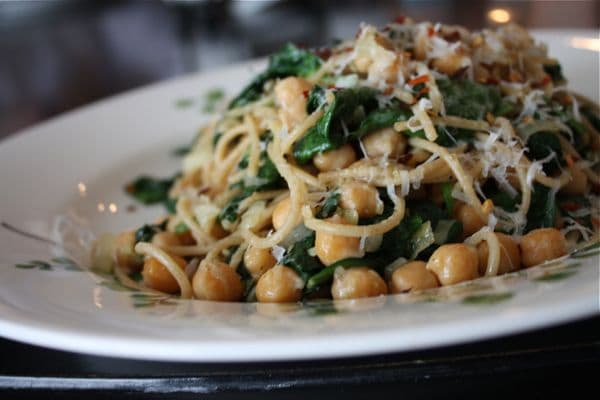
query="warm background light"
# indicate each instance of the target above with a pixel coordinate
(592, 44)
(499, 15)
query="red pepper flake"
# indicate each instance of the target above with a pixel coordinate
(331, 86)
(452, 37)
(388, 90)
(546, 80)
(400, 19)
(492, 81)
(430, 31)
(324, 53)
(418, 79)
(569, 160)
(570, 206)
(305, 93)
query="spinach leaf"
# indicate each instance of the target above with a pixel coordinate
(555, 72)
(329, 206)
(447, 196)
(267, 178)
(230, 211)
(379, 119)
(212, 99)
(297, 258)
(542, 211)
(329, 133)
(290, 60)
(427, 211)
(468, 99)
(316, 99)
(448, 231)
(397, 242)
(325, 275)
(149, 190)
(591, 116)
(147, 232)
(541, 145)
(171, 204)
(181, 228)
(215, 139)
(506, 201)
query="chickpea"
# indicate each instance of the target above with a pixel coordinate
(454, 263)
(362, 197)
(335, 159)
(411, 277)
(280, 284)
(281, 212)
(165, 239)
(385, 143)
(470, 219)
(578, 184)
(331, 248)
(217, 281)
(510, 257)
(291, 94)
(541, 245)
(217, 231)
(449, 64)
(258, 261)
(355, 283)
(124, 254)
(186, 238)
(157, 276)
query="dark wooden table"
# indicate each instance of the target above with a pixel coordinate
(561, 361)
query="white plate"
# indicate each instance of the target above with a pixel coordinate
(65, 177)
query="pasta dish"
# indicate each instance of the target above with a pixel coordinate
(407, 158)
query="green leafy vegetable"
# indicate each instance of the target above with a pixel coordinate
(215, 138)
(316, 99)
(298, 258)
(347, 109)
(211, 99)
(447, 196)
(290, 60)
(149, 190)
(468, 99)
(325, 275)
(540, 145)
(379, 119)
(447, 231)
(267, 178)
(542, 212)
(329, 206)
(422, 239)
(555, 72)
(181, 228)
(184, 102)
(591, 116)
(147, 232)
(506, 201)
(230, 211)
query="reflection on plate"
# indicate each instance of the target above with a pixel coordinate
(63, 180)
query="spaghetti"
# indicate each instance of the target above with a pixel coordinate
(416, 144)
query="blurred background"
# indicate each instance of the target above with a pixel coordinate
(56, 55)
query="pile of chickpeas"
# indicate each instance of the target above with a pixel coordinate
(448, 265)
